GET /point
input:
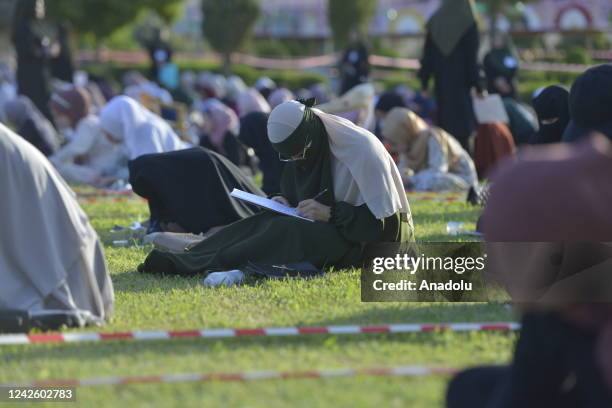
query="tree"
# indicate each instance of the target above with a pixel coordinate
(497, 7)
(348, 17)
(227, 24)
(100, 18)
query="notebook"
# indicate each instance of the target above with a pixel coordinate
(267, 204)
(490, 109)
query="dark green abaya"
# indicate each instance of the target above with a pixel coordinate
(273, 238)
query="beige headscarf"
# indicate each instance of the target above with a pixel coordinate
(50, 256)
(403, 126)
(363, 171)
(359, 99)
(450, 22)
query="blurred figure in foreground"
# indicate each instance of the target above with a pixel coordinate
(553, 256)
(52, 264)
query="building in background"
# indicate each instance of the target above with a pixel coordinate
(308, 18)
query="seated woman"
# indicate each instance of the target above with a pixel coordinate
(220, 130)
(88, 157)
(279, 96)
(430, 158)
(552, 107)
(125, 121)
(356, 105)
(501, 65)
(189, 190)
(522, 121)
(52, 265)
(387, 101)
(250, 100)
(337, 175)
(31, 124)
(254, 134)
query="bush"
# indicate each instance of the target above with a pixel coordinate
(578, 55)
(530, 81)
(270, 48)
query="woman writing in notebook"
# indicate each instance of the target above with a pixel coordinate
(337, 174)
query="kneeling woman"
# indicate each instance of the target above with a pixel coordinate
(126, 122)
(430, 158)
(337, 174)
(189, 190)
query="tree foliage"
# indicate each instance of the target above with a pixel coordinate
(346, 17)
(228, 23)
(101, 18)
(497, 7)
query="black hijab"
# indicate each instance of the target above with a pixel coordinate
(307, 178)
(192, 188)
(551, 103)
(254, 134)
(388, 101)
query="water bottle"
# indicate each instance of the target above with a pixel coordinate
(455, 228)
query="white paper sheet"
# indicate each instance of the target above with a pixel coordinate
(266, 203)
(490, 109)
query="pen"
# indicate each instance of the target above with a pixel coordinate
(320, 194)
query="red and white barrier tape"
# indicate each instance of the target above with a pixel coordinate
(46, 338)
(436, 197)
(401, 371)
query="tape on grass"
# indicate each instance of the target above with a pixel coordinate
(81, 337)
(401, 371)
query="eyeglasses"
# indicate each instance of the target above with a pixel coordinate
(296, 157)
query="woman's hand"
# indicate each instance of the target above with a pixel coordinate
(314, 210)
(281, 200)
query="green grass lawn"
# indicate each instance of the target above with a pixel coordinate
(151, 302)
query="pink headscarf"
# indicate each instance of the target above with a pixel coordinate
(279, 96)
(222, 120)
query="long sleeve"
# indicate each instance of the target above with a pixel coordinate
(427, 63)
(81, 144)
(436, 160)
(472, 45)
(356, 224)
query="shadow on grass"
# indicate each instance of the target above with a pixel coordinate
(135, 281)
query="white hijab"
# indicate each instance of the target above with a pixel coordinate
(362, 169)
(141, 131)
(50, 256)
